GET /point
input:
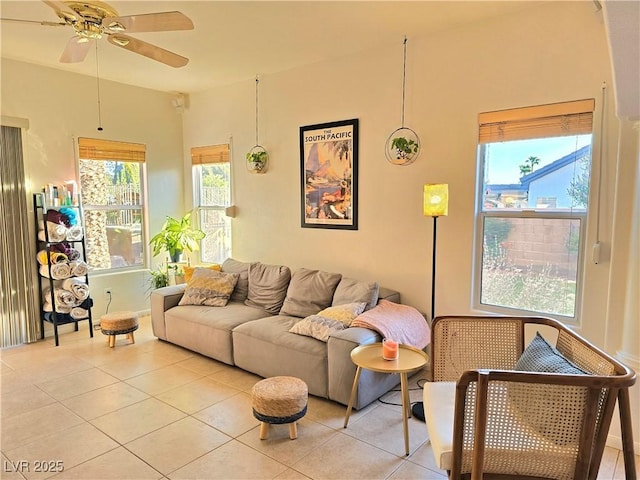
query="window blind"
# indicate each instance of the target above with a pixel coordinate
(95, 149)
(553, 120)
(210, 154)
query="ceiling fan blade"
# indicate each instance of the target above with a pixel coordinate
(151, 22)
(44, 22)
(62, 9)
(76, 50)
(148, 50)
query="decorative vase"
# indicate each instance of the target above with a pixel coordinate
(175, 256)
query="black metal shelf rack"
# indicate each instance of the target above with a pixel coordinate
(55, 317)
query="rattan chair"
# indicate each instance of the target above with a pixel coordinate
(486, 420)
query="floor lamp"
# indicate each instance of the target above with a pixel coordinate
(436, 204)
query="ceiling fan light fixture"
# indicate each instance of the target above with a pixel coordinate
(123, 42)
(88, 30)
(116, 26)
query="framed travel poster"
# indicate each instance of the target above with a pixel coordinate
(329, 175)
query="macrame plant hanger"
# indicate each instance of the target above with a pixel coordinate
(257, 158)
(403, 145)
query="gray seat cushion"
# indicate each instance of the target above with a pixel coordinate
(207, 330)
(267, 348)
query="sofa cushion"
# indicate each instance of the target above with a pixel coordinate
(242, 286)
(309, 292)
(350, 290)
(268, 286)
(209, 287)
(439, 409)
(188, 271)
(343, 313)
(317, 327)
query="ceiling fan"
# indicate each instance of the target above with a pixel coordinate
(93, 19)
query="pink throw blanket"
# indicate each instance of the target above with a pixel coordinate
(402, 323)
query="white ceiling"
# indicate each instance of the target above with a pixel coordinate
(236, 40)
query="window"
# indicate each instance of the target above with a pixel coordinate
(212, 195)
(112, 187)
(533, 190)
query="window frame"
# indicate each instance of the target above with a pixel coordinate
(481, 214)
(142, 206)
(202, 157)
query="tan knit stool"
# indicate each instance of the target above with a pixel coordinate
(118, 323)
(279, 400)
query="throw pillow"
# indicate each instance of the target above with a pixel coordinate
(539, 356)
(242, 269)
(317, 327)
(541, 407)
(309, 292)
(402, 323)
(188, 271)
(267, 286)
(350, 290)
(209, 287)
(344, 313)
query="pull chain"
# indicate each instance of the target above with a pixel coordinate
(98, 84)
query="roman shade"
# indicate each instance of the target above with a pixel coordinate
(96, 149)
(552, 120)
(210, 154)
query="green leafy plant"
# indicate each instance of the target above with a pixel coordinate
(257, 159)
(404, 147)
(159, 278)
(176, 236)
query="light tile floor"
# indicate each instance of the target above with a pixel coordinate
(153, 410)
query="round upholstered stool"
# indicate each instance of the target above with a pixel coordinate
(279, 400)
(119, 323)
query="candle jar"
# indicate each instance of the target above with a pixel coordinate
(390, 349)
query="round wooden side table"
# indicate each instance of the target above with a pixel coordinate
(370, 357)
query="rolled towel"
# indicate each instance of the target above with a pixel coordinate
(73, 254)
(57, 257)
(43, 258)
(57, 232)
(78, 313)
(74, 233)
(48, 307)
(62, 297)
(59, 271)
(76, 286)
(78, 268)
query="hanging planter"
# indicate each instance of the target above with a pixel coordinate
(403, 145)
(257, 158)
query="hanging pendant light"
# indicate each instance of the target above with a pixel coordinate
(257, 158)
(403, 145)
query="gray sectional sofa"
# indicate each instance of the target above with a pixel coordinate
(252, 330)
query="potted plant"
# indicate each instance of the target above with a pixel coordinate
(159, 278)
(404, 148)
(176, 236)
(257, 160)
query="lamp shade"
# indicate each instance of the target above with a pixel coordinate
(436, 199)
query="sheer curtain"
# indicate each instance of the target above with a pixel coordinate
(19, 309)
